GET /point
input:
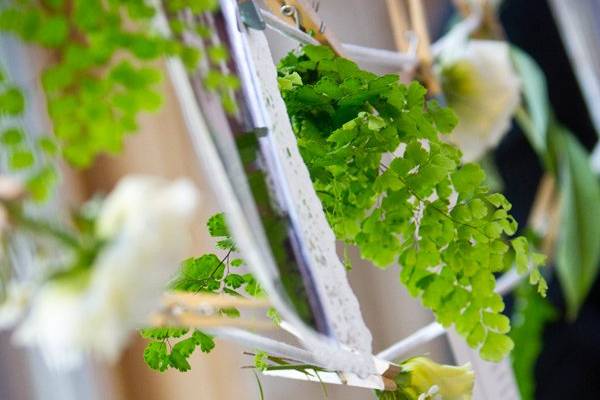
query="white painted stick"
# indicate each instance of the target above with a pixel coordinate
(271, 346)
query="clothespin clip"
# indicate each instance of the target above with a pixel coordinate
(412, 19)
(210, 311)
(300, 14)
(250, 15)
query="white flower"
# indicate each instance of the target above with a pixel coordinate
(146, 222)
(15, 303)
(55, 317)
(483, 88)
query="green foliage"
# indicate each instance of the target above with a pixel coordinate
(577, 255)
(215, 77)
(274, 315)
(216, 226)
(208, 274)
(162, 333)
(33, 161)
(157, 355)
(12, 101)
(391, 186)
(212, 274)
(105, 74)
(261, 361)
(531, 314)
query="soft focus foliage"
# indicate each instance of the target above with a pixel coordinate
(531, 315)
(105, 73)
(31, 159)
(577, 252)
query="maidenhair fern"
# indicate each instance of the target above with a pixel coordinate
(393, 187)
(30, 158)
(102, 71)
(206, 274)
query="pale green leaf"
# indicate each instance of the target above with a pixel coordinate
(534, 118)
(578, 252)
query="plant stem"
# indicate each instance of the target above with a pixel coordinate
(43, 227)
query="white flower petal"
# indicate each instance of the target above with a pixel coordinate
(53, 325)
(14, 306)
(147, 221)
(482, 87)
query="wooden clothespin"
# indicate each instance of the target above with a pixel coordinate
(204, 311)
(544, 217)
(490, 26)
(399, 22)
(411, 16)
(300, 14)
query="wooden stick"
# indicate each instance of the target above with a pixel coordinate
(490, 26)
(463, 7)
(538, 217)
(545, 213)
(191, 300)
(389, 384)
(193, 320)
(399, 22)
(549, 243)
(419, 25)
(392, 371)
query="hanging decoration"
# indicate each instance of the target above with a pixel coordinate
(303, 154)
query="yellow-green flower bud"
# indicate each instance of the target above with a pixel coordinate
(437, 381)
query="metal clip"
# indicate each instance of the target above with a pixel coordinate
(292, 12)
(250, 15)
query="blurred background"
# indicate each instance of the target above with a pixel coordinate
(570, 361)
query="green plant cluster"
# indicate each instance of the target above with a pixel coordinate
(211, 274)
(206, 274)
(157, 355)
(32, 160)
(102, 72)
(392, 186)
(577, 255)
(216, 78)
(531, 314)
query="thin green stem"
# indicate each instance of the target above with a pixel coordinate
(43, 227)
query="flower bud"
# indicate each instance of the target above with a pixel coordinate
(437, 381)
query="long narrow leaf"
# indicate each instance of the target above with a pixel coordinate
(578, 250)
(534, 118)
